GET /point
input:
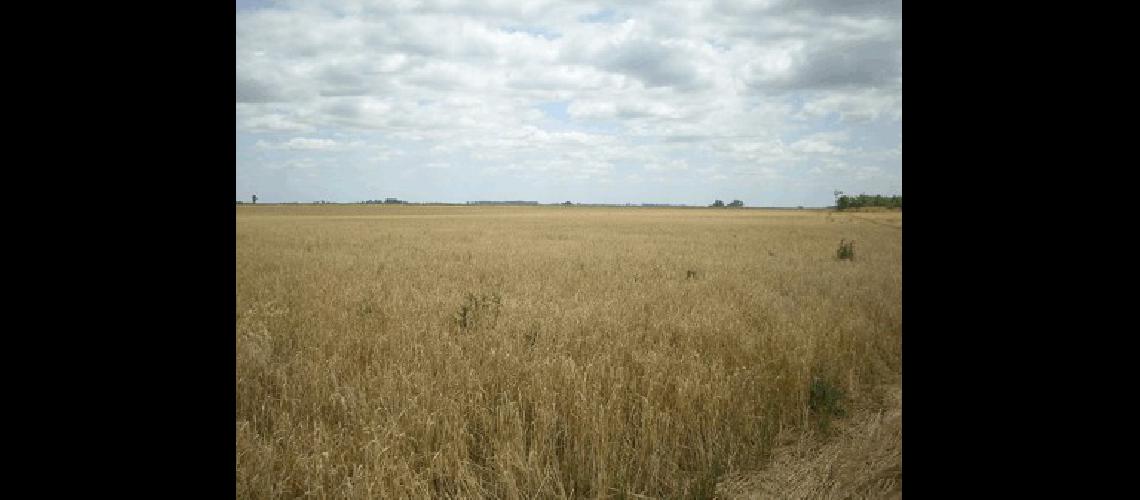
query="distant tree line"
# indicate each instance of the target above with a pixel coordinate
(865, 200)
(734, 204)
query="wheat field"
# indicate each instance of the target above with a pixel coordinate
(551, 352)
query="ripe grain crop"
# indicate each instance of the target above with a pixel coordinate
(522, 352)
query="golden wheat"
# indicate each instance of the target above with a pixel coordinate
(521, 352)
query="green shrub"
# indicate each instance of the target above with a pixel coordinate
(826, 401)
(846, 250)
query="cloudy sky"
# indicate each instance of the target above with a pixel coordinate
(776, 103)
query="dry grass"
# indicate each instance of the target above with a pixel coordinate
(862, 460)
(510, 352)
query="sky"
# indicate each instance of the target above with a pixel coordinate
(775, 103)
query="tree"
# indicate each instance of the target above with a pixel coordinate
(718, 203)
(865, 200)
